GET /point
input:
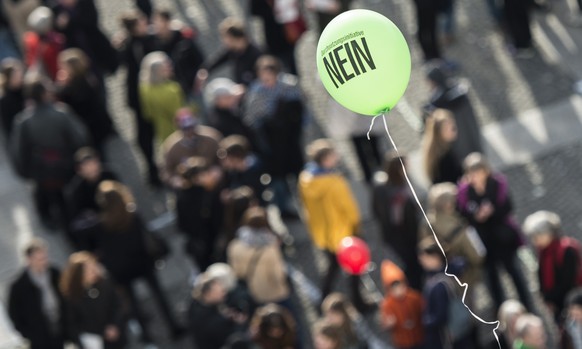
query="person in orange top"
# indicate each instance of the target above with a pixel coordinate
(401, 311)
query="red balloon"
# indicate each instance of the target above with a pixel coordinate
(353, 255)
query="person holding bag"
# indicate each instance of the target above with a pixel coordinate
(483, 199)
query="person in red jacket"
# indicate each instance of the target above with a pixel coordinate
(559, 258)
(42, 44)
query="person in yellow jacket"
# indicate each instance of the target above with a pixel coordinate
(330, 209)
(160, 96)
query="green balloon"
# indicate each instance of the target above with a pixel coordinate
(363, 61)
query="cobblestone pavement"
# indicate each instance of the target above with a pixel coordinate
(502, 87)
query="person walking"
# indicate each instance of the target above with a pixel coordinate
(440, 160)
(35, 303)
(330, 210)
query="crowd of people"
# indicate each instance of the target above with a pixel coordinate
(229, 150)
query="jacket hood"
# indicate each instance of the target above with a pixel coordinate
(315, 181)
(390, 273)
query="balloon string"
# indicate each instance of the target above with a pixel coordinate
(464, 285)
(372, 125)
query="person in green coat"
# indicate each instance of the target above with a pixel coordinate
(160, 96)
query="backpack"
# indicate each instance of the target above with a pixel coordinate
(459, 320)
(565, 243)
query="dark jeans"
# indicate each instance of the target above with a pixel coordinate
(427, 31)
(145, 139)
(516, 14)
(368, 154)
(508, 261)
(155, 288)
(331, 275)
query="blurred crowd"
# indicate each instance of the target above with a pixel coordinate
(231, 151)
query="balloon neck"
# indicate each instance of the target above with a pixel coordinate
(384, 112)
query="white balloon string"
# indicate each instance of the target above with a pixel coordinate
(464, 285)
(372, 125)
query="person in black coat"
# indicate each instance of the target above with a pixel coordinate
(396, 212)
(453, 96)
(179, 45)
(237, 49)
(426, 19)
(35, 303)
(133, 48)
(11, 96)
(119, 240)
(200, 210)
(517, 19)
(93, 307)
(81, 90)
(210, 322)
(78, 20)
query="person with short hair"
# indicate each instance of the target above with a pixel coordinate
(42, 44)
(330, 209)
(94, 309)
(237, 49)
(44, 140)
(210, 323)
(559, 258)
(530, 332)
(508, 314)
(35, 303)
(200, 210)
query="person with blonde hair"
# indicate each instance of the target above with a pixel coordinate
(507, 315)
(159, 95)
(440, 161)
(95, 313)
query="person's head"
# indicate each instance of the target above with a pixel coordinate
(156, 68)
(338, 311)
(393, 279)
(162, 19)
(36, 254)
(116, 204)
(273, 325)
(574, 305)
(323, 153)
(224, 273)
(135, 23)
(236, 204)
(393, 168)
(233, 34)
(40, 20)
(440, 133)
(256, 218)
(508, 313)
(437, 77)
(477, 169)
(88, 164)
(542, 227)
(197, 171)
(82, 271)
(233, 152)
(430, 256)
(73, 64)
(38, 90)
(209, 290)
(223, 93)
(186, 122)
(530, 329)
(268, 69)
(442, 198)
(11, 74)
(327, 335)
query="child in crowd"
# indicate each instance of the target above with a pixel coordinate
(402, 309)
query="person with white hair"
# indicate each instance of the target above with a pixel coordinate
(530, 332)
(558, 258)
(42, 44)
(507, 315)
(160, 96)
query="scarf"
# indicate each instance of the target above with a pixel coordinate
(256, 237)
(548, 263)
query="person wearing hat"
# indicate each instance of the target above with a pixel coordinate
(559, 258)
(401, 310)
(190, 139)
(42, 44)
(223, 97)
